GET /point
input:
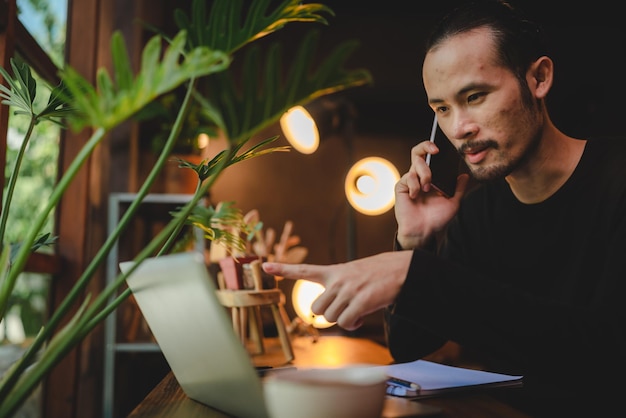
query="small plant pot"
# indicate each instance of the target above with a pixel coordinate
(232, 269)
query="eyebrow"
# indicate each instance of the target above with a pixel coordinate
(462, 92)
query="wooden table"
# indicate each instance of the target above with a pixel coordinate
(168, 400)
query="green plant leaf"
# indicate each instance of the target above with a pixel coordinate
(263, 98)
(5, 265)
(110, 104)
(45, 240)
(201, 48)
(223, 224)
(58, 106)
(58, 346)
(205, 168)
(224, 27)
(122, 68)
(22, 88)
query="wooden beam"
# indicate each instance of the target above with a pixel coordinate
(38, 60)
(62, 389)
(43, 263)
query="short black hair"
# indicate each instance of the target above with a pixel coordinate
(519, 40)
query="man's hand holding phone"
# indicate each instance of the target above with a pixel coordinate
(422, 213)
(445, 166)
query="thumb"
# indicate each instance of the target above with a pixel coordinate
(461, 185)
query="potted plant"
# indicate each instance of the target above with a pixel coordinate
(201, 50)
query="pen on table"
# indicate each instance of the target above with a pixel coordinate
(401, 391)
(403, 383)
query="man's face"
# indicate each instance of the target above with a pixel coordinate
(479, 105)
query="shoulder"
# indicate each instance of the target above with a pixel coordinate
(606, 146)
(604, 155)
(603, 167)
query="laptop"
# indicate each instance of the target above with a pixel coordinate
(176, 296)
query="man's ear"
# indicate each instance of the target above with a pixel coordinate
(540, 76)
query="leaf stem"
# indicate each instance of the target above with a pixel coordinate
(6, 204)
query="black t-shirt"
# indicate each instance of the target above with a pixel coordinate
(538, 289)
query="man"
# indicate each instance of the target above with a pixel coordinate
(532, 271)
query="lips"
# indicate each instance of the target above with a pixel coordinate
(475, 155)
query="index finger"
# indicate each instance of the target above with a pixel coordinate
(296, 271)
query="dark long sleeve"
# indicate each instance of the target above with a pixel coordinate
(538, 289)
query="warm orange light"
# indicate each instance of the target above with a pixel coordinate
(203, 140)
(369, 185)
(300, 130)
(302, 296)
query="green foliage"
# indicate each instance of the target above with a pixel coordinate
(222, 224)
(21, 96)
(115, 100)
(226, 158)
(202, 49)
(222, 28)
(37, 174)
(243, 106)
(22, 91)
(160, 115)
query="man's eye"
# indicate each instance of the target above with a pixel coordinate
(474, 97)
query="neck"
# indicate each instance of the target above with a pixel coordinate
(548, 168)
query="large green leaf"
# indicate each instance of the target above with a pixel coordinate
(224, 27)
(111, 103)
(263, 95)
(242, 107)
(22, 88)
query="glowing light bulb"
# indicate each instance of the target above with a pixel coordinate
(300, 130)
(369, 185)
(302, 296)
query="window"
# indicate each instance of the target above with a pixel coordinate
(39, 38)
(46, 21)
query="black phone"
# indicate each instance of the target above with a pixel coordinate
(446, 165)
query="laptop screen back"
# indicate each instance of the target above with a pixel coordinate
(176, 296)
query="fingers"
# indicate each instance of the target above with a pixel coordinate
(342, 303)
(333, 308)
(326, 304)
(354, 289)
(345, 314)
(419, 177)
(296, 271)
(323, 305)
(347, 319)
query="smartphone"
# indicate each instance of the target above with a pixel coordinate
(446, 165)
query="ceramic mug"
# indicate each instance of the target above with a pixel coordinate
(356, 391)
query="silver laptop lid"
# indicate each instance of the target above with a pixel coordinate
(176, 296)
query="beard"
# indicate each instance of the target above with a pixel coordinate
(506, 163)
(493, 172)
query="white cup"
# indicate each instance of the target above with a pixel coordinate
(356, 391)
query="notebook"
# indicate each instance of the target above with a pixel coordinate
(434, 379)
(176, 296)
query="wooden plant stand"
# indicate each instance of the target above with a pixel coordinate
(245, 306)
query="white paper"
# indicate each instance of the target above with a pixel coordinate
(434, 376)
